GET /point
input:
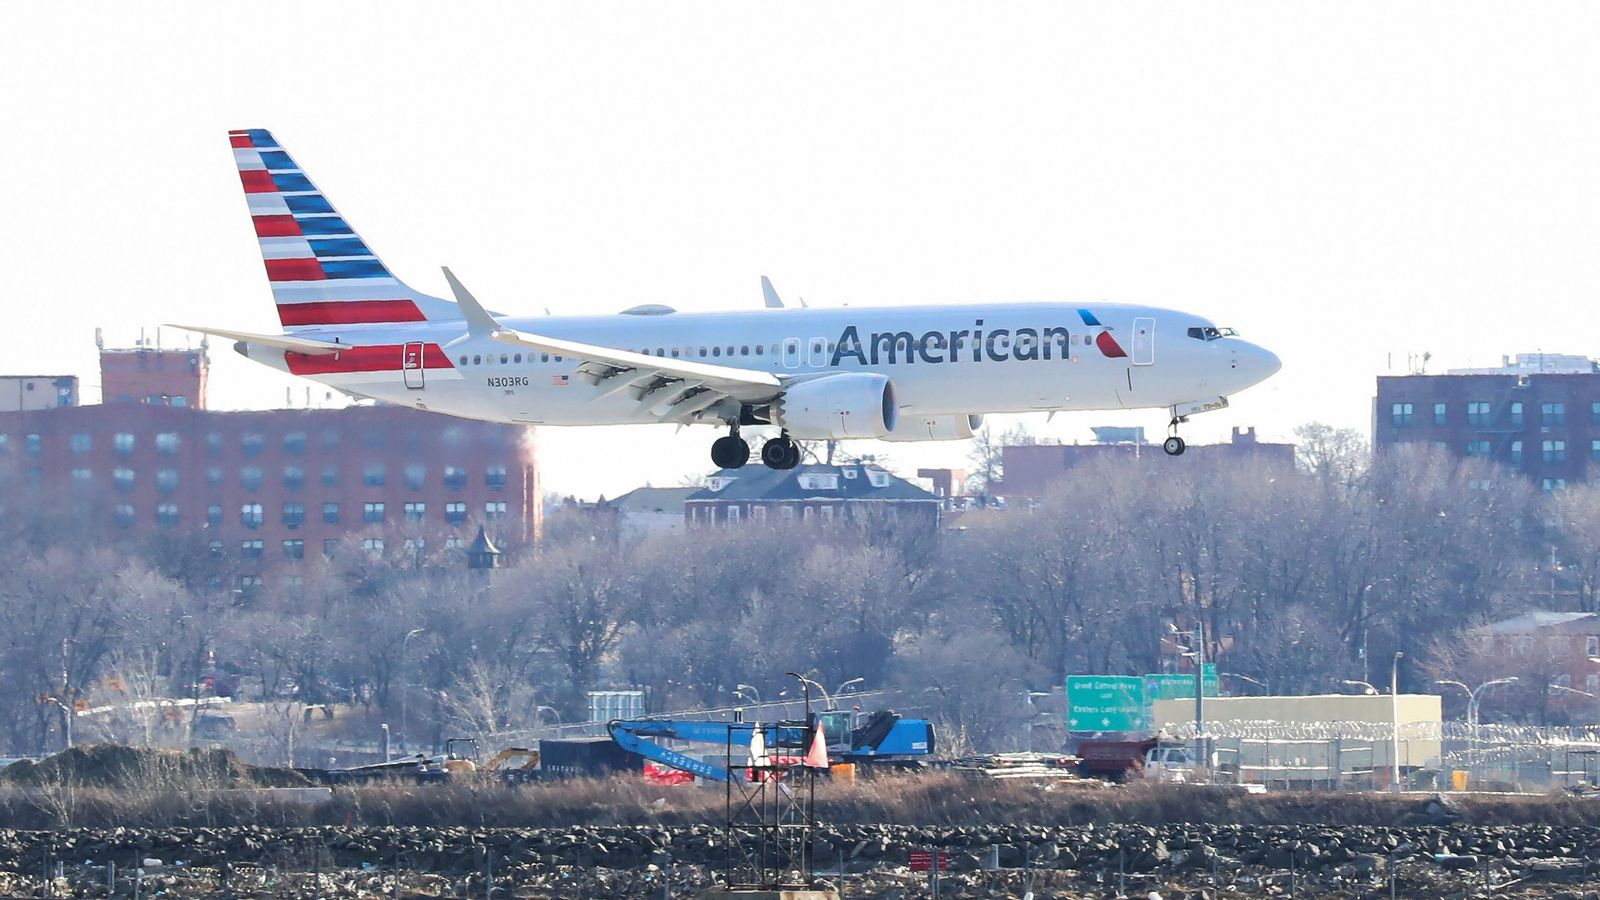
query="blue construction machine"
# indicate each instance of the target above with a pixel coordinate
(881, 739)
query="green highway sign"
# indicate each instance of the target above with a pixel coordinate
(1180, 687)
(1106, 703)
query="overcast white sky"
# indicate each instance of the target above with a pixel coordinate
(1340, 181)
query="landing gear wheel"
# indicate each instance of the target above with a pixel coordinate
(780, 453)
(1174, 446)
(729, 452)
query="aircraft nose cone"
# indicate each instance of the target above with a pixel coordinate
(1255, 363)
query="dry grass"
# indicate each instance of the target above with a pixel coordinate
(165, 800)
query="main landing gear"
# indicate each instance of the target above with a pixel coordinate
(730, 451)
(1174, 445)
(781, 453)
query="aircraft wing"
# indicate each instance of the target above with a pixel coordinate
(307, 346)
(674, 390)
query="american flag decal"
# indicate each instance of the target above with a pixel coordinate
(560, 380)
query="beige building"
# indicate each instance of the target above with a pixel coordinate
(1309, 730)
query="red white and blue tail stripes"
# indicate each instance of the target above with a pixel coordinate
(322, 272)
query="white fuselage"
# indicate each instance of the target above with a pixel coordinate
(942, 360)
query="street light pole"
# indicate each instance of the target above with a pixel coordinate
(1394, 696)
(405, 694)
(1200, 760)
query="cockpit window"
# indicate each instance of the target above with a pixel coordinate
(1211, 333)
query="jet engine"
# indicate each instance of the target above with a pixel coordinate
(846, 405)
(936, 428)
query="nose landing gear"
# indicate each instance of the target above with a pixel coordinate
(1174, 445)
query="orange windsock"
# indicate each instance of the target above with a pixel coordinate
(817, 756)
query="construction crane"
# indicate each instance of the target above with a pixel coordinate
(883, 738)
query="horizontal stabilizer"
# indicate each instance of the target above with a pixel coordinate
(279, 341)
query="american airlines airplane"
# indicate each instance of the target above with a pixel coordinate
(903, 373)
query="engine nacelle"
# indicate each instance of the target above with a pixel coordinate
(936, 428)
(847, 405)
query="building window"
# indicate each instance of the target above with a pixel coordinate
(1478, 412)
(494, 510)
(1591, 645)
(123, 479)
(453, 542)
(416, 476)
(251, 548)
(1554, 484)
(330, 546)
(415, 546)
(122, 442)
(167, 443)
(214, 476)
(214, 548)
(294, 514)
(294, 443)
(758, 513)
(1594, 414)
(1401, 415)
(248, 584)
(330, 513)
(826, 512)
(1439, 414)
(1516, 452)
(330, 439)
(732, 514)
(1553, 413)
(330, 476)
(455, 513)
(416, 511)
(167, 514)
(214, 515)
(1555, 451)
(294, 548)
(495, 477)
(1516, 414)
(81, 443)
(213, 445)
(455, 477)
(1594, 450)
(124, 515)
(1478, 448)
(293, 477)
(250, 478)
(166, 480)
(788, 513)
(252, 444)
(85, 477)
(373, 546)
(250, 515)
(372, 475)
(372, 513)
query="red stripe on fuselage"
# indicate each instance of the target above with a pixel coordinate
(382, 358)
(305, 269)
(349, 312)
(276, 226)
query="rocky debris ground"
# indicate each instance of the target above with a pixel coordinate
(1186, 861)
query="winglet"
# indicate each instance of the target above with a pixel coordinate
(479, 322)
(769, 294)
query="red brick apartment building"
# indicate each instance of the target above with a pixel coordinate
(1029, 469)
(1542, 423)
(268, 489)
